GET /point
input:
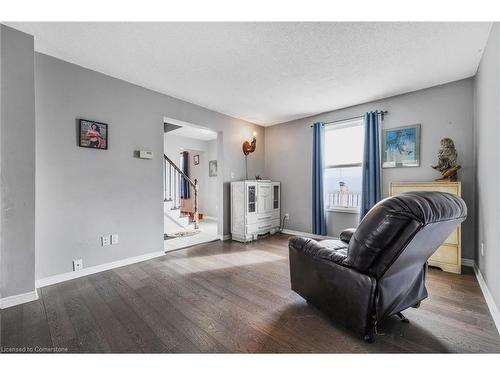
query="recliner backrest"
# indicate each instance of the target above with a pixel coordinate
(392, 223)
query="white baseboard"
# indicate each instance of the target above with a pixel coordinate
(225, 237)
(495, 314)
(305, 234)
(18, 299)
(210, 217)
(95, 269)
(468, 262)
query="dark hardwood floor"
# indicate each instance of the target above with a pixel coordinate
(227, 297)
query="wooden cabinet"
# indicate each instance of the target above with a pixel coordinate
(448, 256)
(255, 209)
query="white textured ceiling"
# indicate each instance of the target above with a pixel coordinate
(196, 133)
(268, 73)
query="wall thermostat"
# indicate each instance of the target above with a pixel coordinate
(143, 154)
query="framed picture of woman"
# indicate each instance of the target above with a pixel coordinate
(93, 134)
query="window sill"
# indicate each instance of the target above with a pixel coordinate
(347, 210)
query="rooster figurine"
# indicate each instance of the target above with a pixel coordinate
(249, 147)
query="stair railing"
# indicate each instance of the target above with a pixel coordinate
(173, 177)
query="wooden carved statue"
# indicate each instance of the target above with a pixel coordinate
(447, 161)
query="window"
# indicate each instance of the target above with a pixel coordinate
(344, 142)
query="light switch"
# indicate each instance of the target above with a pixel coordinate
(114, 239)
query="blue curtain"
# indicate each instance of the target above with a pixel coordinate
(318, 205)
(371, 176)
(184, 185)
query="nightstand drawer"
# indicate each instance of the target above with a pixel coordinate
(452, 238)
(445, 254)
(261, 227)
(262, 218)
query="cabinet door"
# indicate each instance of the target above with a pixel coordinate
(265, 198)
(251, 201)
(276, 196)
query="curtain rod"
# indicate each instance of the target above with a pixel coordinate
(382, 113)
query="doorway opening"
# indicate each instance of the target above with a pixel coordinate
(190, 207)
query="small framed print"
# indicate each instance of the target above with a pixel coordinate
(196, 159)
(93, 134)
(212, 168)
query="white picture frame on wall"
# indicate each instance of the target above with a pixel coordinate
(212, 168)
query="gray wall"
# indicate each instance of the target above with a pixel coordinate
(337, 221)
(443, 111)
(487, 135)
(84, 193)
(17, 163)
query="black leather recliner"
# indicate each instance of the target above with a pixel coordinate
(378, 269)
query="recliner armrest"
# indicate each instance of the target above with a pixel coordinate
(332, 250)
(347, 234)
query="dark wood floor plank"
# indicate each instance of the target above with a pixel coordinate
(247, 310)
(60, 327)
(12, 328)
(182, 324)
(142, 334)
(233, 297)
(294, 340)
(201, 306)
(89, 338)
(112, 330)
(158, 322)
(36, 328)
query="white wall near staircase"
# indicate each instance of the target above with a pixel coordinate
(173, 221)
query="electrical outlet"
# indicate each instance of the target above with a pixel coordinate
(77, 264)
(482, 249)
(287, 216)
(114, 239)
(105, 241)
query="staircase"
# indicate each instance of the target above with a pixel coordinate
(174, 220)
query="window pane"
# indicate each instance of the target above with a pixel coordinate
(344, 145)
(351, 177)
